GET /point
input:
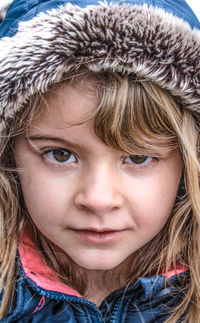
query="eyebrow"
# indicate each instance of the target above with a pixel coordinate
(56, 139)
(82, 147)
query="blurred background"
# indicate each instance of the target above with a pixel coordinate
(194, 4)
(3, 7)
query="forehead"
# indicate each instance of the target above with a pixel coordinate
(67, 103)
(123, 114)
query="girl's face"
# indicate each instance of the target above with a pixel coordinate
(96, 204)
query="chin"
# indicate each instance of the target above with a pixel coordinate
(103, 264)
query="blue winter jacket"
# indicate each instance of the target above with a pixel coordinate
(23, 10)
(41, 298)
(40, 40)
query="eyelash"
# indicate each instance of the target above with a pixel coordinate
(142, 165)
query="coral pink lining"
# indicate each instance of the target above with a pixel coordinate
(179, 270)
(37, 271)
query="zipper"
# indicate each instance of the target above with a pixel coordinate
(115, 313)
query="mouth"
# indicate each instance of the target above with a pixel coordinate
(99, 236)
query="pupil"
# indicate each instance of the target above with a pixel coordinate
(61, 155)
(138, 159)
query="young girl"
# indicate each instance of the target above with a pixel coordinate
(99, 165)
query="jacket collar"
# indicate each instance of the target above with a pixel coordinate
(35, 269)
(45, 278)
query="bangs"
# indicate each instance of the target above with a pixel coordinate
(135, 115)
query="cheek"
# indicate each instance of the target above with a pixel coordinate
(46, 198)
(154, 201)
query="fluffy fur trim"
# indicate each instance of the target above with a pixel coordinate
(129, 39)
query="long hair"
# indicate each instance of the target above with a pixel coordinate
(132, 114)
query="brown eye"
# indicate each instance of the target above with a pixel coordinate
(138, 159)
(60, 156)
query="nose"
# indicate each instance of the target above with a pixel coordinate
(99, 191)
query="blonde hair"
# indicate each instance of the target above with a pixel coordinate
(133, 116)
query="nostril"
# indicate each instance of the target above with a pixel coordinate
(98, 203)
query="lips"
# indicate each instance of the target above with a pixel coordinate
(99, 236)
(102, 230)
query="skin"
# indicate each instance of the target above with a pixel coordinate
(94, 188)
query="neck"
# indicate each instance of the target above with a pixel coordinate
(102, 283)
(98, 287)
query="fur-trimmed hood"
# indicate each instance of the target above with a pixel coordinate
(160, 42)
